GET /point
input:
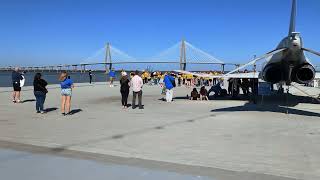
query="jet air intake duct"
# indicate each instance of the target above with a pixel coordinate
(304, 74)
(272, 73)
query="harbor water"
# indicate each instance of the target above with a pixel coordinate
(52, 77)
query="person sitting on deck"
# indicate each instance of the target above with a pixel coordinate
(203, 93)
(194, 94)
(216, 89)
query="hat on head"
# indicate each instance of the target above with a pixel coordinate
(123, 73)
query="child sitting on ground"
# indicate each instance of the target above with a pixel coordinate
(194, 94)
(203, 94)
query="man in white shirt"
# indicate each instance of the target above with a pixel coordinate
(136, 84)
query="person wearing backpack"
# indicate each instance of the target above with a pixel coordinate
(169, 82)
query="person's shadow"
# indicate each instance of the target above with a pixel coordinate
(51, 109)
(28, 100)
(75, 111)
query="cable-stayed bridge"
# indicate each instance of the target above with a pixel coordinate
(179, 56)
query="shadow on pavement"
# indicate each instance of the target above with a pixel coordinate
(51, 109)
(28, 100)
(267, 108)
(75, 111)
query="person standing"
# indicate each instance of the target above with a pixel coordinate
(143, 77)
(255, 89)
(169, 82)
(245, 86)
(16, 78)
(179, 79)
(155, 78)
(112, 76)
(189, 78)
(40, 91)
(90, 76)
(124, 89)
(137, 83)
(66, 93)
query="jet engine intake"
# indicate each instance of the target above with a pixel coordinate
(304, 74)
(273, 74)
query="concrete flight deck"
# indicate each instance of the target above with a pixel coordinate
(219, 139)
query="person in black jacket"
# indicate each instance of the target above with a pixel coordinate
(16, 78)
(90, 76)
(40, 92)
(124, 89)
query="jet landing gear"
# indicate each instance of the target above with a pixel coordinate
(280, 89)
(287, 99)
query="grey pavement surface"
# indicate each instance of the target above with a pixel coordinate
(222, 139)
(16, 165)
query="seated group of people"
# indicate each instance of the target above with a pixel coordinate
(202, 95)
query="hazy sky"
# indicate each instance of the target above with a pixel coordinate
(38, 32)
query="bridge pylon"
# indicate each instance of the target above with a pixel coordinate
(108, 60)
(183, 56)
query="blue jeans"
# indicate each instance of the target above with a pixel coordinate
(40, 98)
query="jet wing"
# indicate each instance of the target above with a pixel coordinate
(276, 51)
(311, 51)
(251, 75)
(233, 73)
(227, 76)
(199, 74)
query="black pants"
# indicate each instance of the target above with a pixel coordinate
(124, 98)
(145, 80)
(139, 99)
(90, 79)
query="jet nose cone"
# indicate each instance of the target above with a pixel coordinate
(295, 44)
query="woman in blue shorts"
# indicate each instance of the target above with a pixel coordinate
(66, 93)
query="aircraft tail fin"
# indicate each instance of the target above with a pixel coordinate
(293, 17)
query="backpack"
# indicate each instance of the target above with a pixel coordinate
(173, 82)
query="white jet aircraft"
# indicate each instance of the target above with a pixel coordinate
(286, 64)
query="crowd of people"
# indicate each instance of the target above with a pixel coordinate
(189, 80)
(135, 81)
(67, 86)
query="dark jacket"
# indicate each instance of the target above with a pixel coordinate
(194, 95)
(16, 77)
(40, 85)
(203, 92)
(124, 82)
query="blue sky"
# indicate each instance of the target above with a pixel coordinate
(39, 32)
